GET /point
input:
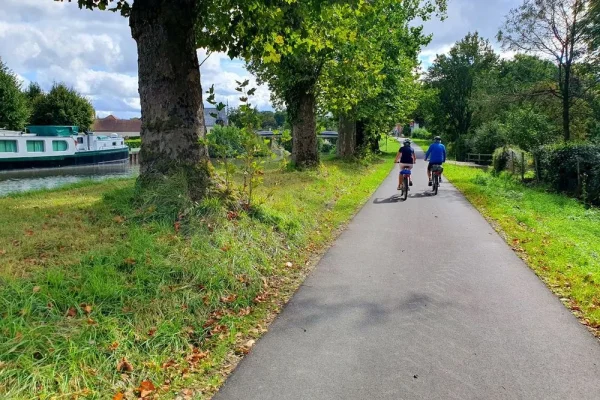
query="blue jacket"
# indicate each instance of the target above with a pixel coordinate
(436, 153)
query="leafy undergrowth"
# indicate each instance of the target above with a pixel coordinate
(98, 301)
(556, 235)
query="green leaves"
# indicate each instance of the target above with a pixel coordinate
(62, 106)
(14, 105)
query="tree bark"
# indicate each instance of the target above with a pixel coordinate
(170, 91)
(304, 133)
(566, 99)
(361, 138)
(346, 143)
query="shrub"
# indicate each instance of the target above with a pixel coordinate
(511, 159)
(327, 146)
(422, 133)
(488, 137)
(225, 142)
(573, 168)
(134, 143)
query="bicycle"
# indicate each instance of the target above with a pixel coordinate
(406, 173)
(436, 173)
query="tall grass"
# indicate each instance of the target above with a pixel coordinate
(96, 299)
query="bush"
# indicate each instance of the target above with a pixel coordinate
(326, 146)
(134, 143)
(225, 142)
(422, 133)
(511, 159)
(573, 168)
(488, 137)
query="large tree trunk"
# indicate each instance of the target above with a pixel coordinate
(361, 135)
(304, 133)
(170, 91)
(566, 104)
(346, 143)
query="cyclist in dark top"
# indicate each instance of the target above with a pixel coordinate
(407, 158)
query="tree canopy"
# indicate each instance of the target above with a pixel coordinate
(14, 108)
(62, 106)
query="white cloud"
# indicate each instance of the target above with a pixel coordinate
(46, 42)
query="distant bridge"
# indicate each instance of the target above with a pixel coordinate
(324, 135)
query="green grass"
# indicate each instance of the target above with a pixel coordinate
(87, 282)
(422, 143)
(556, 235)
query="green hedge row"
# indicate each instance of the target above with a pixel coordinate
(573, 168)
(133, 143)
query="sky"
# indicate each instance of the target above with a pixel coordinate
(93, 52)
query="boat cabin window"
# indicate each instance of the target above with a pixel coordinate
(60, 145)
(80, 140)
(35, 146)
(8, 146)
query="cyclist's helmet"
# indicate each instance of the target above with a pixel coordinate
(407, 142)
(437, 139)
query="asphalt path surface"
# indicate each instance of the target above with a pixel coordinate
(421, 299)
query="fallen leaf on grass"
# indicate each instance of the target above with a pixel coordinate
(29, 232)
(146, 388)
(196, 355)
(169, 364)
(186, 394)
(36, 289)
(152, 331)
(229, 299)
(2, 252)
(124, 366)
(118, 396)
(261, 298)
(118, 219)
(219, 329)
(72, 312)
(113, 346)
(91, 321)
(244, 311)
(177, 226)
(289, 264)
(129, 261)
(210, 322)
(86, 308)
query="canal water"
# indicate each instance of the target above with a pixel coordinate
(35, 179)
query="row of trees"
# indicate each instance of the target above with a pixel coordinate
(548, 92)
(265, 119)
(32, 106)
(355, 59)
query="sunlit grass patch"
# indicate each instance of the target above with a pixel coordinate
(95, 299)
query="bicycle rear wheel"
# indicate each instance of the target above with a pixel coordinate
(436, 184)
(405, 188)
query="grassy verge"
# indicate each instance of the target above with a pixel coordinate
(557, 236)
(422, 143)
(98, 301)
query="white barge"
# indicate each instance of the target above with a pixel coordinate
(58, 146)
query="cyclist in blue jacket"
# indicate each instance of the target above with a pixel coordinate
(436, 155)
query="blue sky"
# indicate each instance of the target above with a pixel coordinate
(46, 42)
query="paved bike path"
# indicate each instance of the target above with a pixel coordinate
(421, 300)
